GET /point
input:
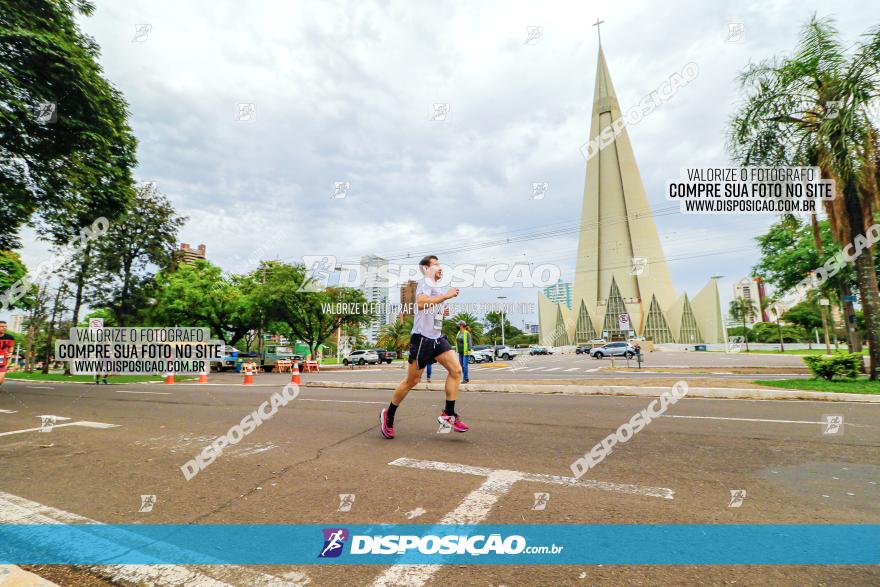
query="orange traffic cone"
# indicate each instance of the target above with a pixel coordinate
(203, 377)
(294, 375)
(169, 378)
(248, 376)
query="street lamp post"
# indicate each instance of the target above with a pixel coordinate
(502, 319)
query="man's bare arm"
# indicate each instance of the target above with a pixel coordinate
(424, 300)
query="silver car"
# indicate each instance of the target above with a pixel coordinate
(613, 349)
(361, 357)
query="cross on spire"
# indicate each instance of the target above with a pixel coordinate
(598, 31)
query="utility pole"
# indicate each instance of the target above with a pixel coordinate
(262, 318)
(502, 318)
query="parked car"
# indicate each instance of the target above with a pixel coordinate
(537, 349)
(385, 356)
(507, 353)
(361, 357)
(614, 349)
(582, 349)
(481, 355)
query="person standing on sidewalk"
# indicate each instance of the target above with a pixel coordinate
(463, 344)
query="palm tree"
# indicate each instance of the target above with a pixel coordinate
(450, 327)
(814, 109)
(395, 336)
(742, 309)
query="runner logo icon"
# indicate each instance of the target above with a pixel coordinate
(334, 542)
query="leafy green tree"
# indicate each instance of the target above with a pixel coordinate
(199, 294)
(814, 108)
(768, 332)
(277, 293)
(493, 331)
(788, 254)
(450, 327)
(806, 315)
(11, 270)
(137, 243)
(66, 144)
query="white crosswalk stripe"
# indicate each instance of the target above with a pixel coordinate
(18, 510)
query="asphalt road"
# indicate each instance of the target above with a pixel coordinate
(582, 367)
(293, 468)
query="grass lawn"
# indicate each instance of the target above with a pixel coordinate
(840, 386)
(59, 376)
(815, 351)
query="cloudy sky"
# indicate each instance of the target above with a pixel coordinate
(343, 91)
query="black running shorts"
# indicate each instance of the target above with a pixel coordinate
(426, 350)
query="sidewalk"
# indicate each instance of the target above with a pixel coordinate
(13, 576)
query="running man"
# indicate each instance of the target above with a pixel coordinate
(7, 347)
(428, 345)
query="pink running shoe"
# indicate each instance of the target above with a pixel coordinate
(387, 431)
(454, 421)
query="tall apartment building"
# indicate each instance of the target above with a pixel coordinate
(752, 289)
(407, 298)
(16, 323)
(186, 254)
(376, 291)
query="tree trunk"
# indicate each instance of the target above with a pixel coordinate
(81, 283)
(817, 235)
(849, 313)
(28, 353)
(80, 286)
(51, 332)
(867, 278)
(849, 318)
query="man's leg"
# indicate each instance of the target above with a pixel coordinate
(413, 376)
(2, 376)
(386, 416)
(449, 360)
(449, 417)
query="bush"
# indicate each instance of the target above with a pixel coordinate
(844, 365)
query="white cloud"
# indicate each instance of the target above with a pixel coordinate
(343, 91)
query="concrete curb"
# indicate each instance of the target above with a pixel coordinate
(620, 390)
(13, 576)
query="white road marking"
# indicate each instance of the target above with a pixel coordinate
(477, 505)
(150, 392)
(555, 479)
(255, 450)
(80, 423)
(57, 418)
(18, 510)
(753, 420)
(40, 387)
(8, 411)
(553, 369)
(572, 369)
(339, 401)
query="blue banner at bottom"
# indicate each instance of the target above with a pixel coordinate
(562, 544)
